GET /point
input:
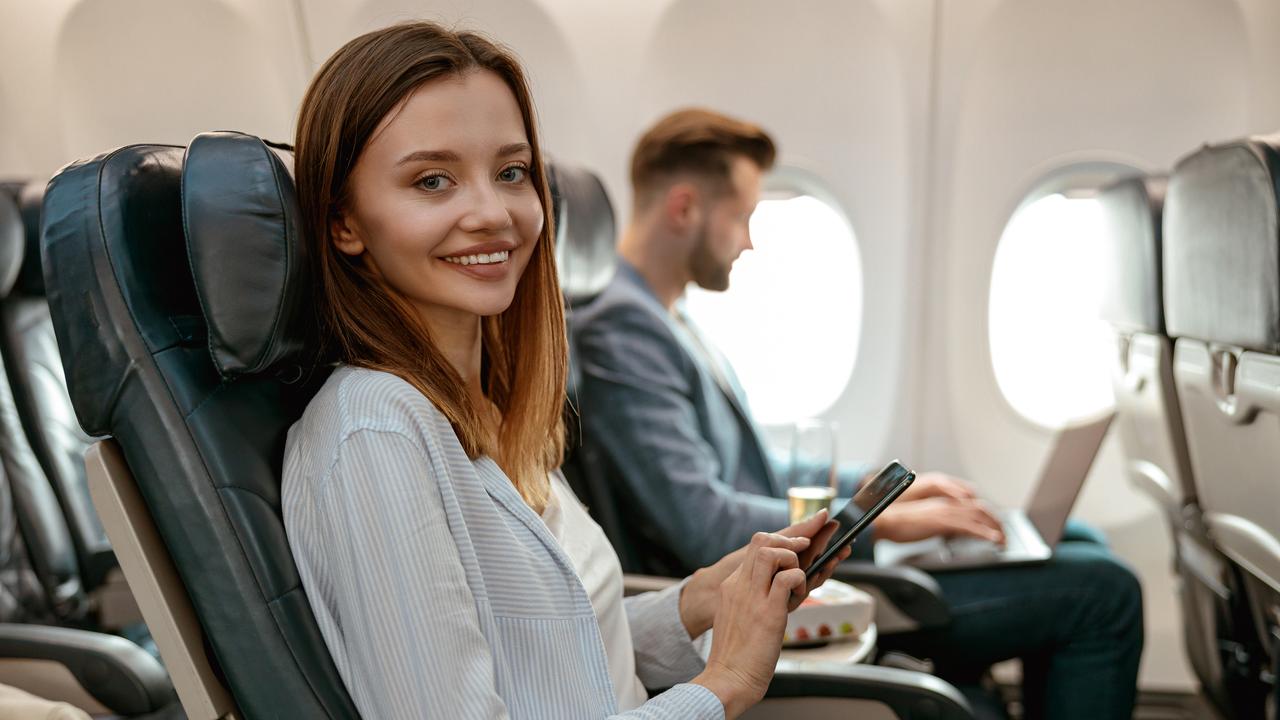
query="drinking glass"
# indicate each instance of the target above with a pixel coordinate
(811, 477)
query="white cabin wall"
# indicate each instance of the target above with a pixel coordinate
(85, 76)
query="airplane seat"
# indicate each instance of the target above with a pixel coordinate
(197, 405)
(58, 594)
(27, 587)
(585, 262)
(192, 356)
(1222, 306)
(34, 368)
(585, 226)
(1149, 420)
(39, 583)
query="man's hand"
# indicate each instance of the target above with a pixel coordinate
(937, 484)
(930, 517)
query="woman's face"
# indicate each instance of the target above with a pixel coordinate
(442, 203)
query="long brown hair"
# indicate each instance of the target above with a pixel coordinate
(366, 323)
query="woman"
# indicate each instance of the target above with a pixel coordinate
(451, 571)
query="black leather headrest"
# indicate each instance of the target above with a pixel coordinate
(123, 205)
(12, 242)
(585, 230)
(242, 226)
(1222, 245)
(1133, 299)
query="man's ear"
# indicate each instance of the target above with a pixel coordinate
(682, 206)
(344, 234)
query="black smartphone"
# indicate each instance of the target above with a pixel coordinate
(872, 498)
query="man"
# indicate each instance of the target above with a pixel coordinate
(664, 411)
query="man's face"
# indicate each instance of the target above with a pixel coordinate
(725, 230)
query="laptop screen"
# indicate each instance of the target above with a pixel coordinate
(1063, 475)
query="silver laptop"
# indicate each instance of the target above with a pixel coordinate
(1029, 534)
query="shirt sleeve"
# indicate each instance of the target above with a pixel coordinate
(637, 405)
(410, 628)
(665, 654)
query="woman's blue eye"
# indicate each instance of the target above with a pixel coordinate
(513, 174)
(434, 182)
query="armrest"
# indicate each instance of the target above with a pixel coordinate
(906, 598)
(119, 674)
(907, 694)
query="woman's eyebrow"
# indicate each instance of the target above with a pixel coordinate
(513, 149)
(450, 156)
(429, 156)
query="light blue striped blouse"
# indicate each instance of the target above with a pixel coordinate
(438, 591)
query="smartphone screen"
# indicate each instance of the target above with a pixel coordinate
(873, 497)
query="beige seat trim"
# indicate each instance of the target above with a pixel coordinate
(50, 680)
(160, 594)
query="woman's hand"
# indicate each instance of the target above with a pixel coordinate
(701, 595)
(922, 519)
(750, 619)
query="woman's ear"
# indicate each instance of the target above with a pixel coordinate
(344, 235)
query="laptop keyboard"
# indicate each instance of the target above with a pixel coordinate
(967, 547)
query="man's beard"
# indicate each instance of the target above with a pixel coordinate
(706, 270)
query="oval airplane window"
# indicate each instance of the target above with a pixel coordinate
(790, 321)
(1050, 349)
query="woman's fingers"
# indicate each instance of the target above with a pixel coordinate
(770, 552)
(820, 541)
(786, 585)
(806, 527)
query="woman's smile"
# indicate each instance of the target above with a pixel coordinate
(482, 266)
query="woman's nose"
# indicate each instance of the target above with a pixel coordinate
(488, 211)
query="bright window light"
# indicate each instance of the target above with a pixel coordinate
(790, 320)
(1049, 347)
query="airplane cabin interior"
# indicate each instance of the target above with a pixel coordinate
(1030, 249)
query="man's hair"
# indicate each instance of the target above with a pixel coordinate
(696, 142)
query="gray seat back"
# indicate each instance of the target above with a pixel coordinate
(1148, 414)
(1149, 419)
(1222, 304)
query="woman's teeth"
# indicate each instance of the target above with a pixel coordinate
(481, 259)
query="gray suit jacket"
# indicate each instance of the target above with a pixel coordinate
(682, 450)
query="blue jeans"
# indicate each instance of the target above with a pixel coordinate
(1075, 621)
